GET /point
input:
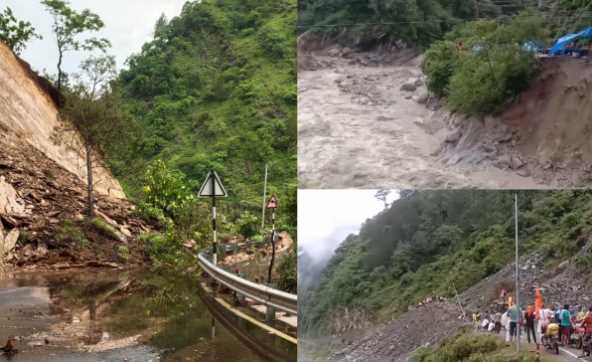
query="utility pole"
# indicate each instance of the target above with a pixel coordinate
(476, 5)
(264, 200)
(517, 270)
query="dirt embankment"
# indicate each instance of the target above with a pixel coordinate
(366, 119)
(552, 122)
(29, 115)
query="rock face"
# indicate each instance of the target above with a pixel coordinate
(28, 114)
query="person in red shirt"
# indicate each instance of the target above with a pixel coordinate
(587, 325)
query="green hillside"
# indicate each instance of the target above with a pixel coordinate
(429, 241)
(216, 89)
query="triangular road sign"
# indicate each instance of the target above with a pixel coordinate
(272, 203)
(212, 186)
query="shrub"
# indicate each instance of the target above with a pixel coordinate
(486, 80)
(70, 232)
(123, 252)
(248, 224)
(105, 229)
(439, 64)
(482, 64)
(165, 191)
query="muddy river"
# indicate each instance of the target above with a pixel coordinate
(358, 128)
(125, 316)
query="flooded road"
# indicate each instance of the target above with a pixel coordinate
(125, 316)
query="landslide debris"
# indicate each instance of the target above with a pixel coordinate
(561, 282)
(42, 204)
(425, 325)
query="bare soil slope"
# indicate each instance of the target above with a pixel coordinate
(553, 121)
(29, 115)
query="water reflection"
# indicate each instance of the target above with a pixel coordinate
(137, 316)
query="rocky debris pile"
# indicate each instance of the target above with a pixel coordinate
(344, 319)
(565, 282)
(480, 141)
(395, 341)
(42, 206)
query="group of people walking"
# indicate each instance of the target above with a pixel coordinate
(538, 321)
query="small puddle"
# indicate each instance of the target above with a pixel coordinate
(125, 316)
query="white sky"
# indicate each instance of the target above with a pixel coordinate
(326, 217)
(128, 25)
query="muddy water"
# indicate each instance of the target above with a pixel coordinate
(357, 128)
(118, 316)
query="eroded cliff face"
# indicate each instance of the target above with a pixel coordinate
(29, 114)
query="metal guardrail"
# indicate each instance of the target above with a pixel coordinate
(265, 295)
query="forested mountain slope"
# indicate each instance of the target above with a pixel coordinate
(419, 23)
(216, 89)
(428, 243)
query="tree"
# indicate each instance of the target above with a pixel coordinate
(94, 109)
(160, 29)
(15, 33)
(68, 24)
(382, 195)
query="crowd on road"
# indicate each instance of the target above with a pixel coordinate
(552, 326)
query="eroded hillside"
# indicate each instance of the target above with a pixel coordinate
(43, 185)
(29, 116)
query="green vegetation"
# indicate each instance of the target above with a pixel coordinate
(69, 231)
(15, 33)
(418, 23)
(483, 64)
(477, 65)
(94, 110)
(68, 26)
(428, 241)
(216, 89)
(104, 228)
(472, 348)
(287, 270)
(571, 15)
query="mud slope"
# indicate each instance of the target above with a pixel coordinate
(553, 121)
(28, 114)
(363, 122)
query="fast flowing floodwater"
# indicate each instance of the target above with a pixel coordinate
(125, 316)
(357, 128)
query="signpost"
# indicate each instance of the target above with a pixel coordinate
(213, 187)
(272, 204)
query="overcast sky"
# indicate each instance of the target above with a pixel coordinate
(128, 25)
(326, 217)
